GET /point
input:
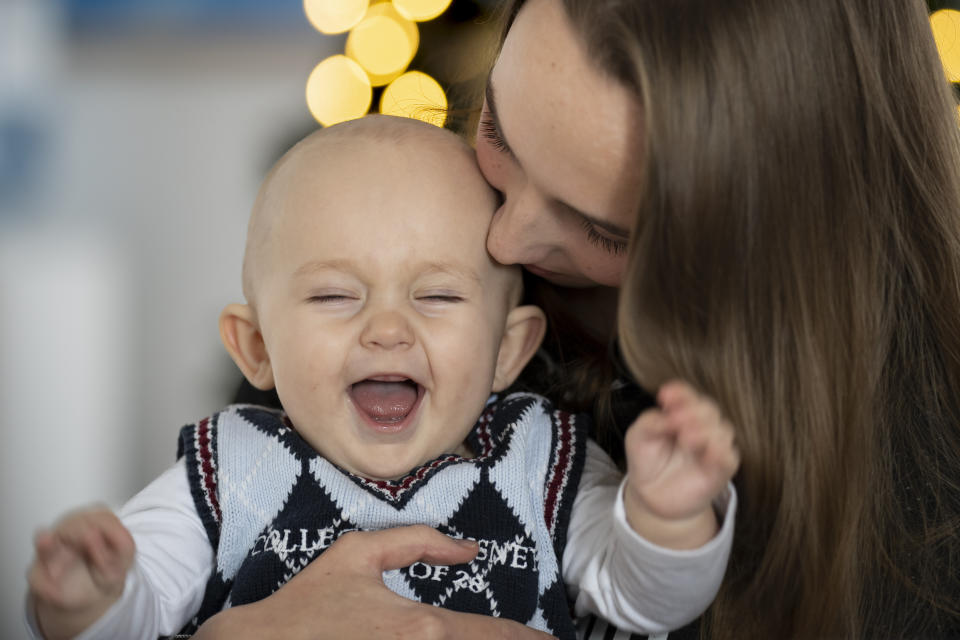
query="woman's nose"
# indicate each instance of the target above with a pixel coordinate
(519, 232)
(387, 329)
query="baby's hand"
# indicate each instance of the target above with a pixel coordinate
(79, 570)
(679, 458)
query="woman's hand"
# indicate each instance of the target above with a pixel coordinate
(341, 594)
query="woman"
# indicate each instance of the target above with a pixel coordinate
(774, 187)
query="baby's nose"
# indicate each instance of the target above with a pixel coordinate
(387, 330)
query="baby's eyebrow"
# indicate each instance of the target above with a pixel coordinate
(424, 268)
(454, 269)
(315, 266)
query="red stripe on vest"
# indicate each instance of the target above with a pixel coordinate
(560, 469)
(207, 469)
(395, 488)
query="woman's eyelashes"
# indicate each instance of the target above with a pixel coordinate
(610, 245)
(491, 133)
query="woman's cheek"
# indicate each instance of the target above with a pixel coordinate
(491, 164)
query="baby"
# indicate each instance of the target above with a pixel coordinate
(375, 311)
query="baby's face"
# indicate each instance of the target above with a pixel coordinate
(381, 310)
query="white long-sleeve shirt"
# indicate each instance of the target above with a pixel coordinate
(609, 569)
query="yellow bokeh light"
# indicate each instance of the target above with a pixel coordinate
(946, 28)
(420, 10)
(415, 95)
(335, 16)
(338, 90)
(383, 43)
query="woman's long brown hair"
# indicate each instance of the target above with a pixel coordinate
(797, 257)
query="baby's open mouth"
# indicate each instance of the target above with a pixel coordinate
(385, 401)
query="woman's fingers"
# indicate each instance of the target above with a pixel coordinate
(341, 594)
(397, 548)
(472, 626)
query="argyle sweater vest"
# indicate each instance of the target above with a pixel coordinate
(270, 504)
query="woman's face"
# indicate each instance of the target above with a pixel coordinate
(558, 138)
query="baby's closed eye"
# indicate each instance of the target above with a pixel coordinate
(440, 297)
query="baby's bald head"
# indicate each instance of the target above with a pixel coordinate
(369, 284)
(385, 157)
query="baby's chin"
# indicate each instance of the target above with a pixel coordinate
(393, 470)
(386, 474)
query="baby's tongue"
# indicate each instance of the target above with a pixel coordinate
(384, 401)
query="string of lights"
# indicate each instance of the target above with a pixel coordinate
(946, 28)
(383, 38)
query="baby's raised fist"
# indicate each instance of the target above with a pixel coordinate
(81, 562)
(681, 455)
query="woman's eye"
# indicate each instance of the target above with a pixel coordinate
(616, 247)
(490, 132)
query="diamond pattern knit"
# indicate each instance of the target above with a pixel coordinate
(271, 504)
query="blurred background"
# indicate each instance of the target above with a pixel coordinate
(133, 137)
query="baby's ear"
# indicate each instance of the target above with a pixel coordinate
(244, 342)
(525, 328)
